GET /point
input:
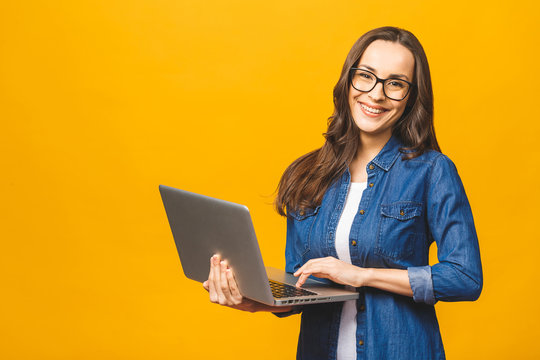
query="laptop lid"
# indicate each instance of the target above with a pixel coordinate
(203, 226)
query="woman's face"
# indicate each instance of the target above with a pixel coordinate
(372, 111)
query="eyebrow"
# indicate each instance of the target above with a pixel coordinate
(390, 76)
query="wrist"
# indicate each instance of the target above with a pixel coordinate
(366, 276)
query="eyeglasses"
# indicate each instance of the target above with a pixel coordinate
(365, 81)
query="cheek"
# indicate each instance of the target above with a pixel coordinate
(352, 101)
(399, 107)
(355, 96)
(352, 95)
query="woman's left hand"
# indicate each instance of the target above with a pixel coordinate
(333, 269)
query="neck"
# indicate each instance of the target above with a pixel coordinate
(371, 145)
(368, 148)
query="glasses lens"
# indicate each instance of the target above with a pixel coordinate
(363, 80)
(396, 89)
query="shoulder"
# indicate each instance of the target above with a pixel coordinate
(442, 175)
(432, 169)
(435, 160)
(429, 156)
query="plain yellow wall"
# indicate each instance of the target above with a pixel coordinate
(101, 101)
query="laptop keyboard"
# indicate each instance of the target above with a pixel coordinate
(280, 290)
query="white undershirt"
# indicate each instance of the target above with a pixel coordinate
(346, 349)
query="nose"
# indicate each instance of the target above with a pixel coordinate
(377, 93)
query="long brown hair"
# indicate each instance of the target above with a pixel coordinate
(305, 181)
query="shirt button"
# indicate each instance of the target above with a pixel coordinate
(353, 243)
(362, 307)
(370, 184)
(362, 212)
(302, 212)
(361, 342)
(371, 167)
(401, 212)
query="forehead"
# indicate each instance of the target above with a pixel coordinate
(388, 57)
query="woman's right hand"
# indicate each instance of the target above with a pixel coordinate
(223, 289)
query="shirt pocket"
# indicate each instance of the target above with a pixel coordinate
(400, 229)
(303, 221)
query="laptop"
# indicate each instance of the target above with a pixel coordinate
(203, 226)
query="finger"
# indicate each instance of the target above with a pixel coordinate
(235, 291)
(224, 283)
(308, 264)
(206, 284)
(211, 262)
(317, 269)
(306, 267)
(302, 279)
(319, 275)
(211, 283)
(302, 268)
(217, 280)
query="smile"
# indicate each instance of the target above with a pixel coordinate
(372, 110)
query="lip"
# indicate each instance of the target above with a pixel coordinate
(371, 106)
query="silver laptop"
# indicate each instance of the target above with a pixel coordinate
(203, 226)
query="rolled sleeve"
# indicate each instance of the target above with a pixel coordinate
(422, 284)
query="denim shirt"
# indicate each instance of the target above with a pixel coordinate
(406, 206)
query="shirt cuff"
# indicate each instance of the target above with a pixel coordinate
(421, 284)
(296, 310)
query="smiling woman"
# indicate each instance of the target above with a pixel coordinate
(376, 104)
(378, 193)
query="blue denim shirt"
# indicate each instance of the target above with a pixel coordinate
(406, 206)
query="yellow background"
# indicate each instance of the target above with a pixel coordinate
(101, 101)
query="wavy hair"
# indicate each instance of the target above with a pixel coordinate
(304, 182)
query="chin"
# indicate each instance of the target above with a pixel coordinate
(371, 126)
(372, 132)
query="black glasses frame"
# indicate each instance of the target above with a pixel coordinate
(379, 80)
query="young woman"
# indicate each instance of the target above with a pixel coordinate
(363, 210)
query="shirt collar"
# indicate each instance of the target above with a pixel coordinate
(384, 159)
(389, 153)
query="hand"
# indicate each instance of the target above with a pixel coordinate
(223, 288)
(333, 269)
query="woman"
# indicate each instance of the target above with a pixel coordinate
(363, 210)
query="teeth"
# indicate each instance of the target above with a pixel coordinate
(372, 110)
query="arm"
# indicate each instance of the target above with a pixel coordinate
(393, 280)
(458, 274)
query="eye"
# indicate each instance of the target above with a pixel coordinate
(364, 75)
(396, 84)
